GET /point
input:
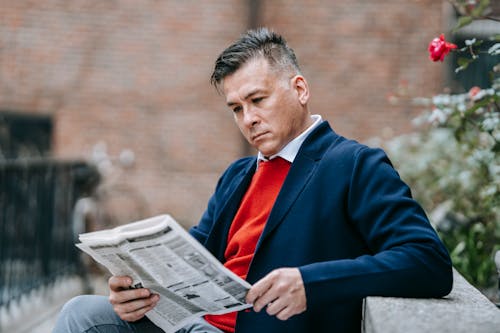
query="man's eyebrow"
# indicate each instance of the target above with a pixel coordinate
(247, 96)
(231, 103)
(253, 92)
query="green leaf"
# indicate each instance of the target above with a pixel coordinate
(463, 63)
(462, 22)
(478, 104)
(485, 3)
(481, 9)
(495, 38)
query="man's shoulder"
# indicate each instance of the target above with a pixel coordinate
(324, 140)
(243, 164)
(342, 146)
(349, 152)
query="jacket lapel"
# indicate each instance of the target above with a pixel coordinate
(217, 239)
(299, 175)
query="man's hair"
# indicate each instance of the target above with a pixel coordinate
(253, 44)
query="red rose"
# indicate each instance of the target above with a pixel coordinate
(439, 48)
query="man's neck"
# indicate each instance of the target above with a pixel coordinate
(290, 150)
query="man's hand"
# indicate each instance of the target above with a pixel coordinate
(282, 291)
(130, 304)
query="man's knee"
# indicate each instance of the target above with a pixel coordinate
(88, 305)
(83, 312)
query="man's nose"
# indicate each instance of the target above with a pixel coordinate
(250, 117)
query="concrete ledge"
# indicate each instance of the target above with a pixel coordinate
(465, 309)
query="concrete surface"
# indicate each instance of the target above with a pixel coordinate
(465, 310)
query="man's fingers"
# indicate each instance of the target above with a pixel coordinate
(117, 283)
(275, 307)
(281, 291)
(124, 296)
(260, 294)
(136, 309)
(135, 305)
(258, 289)
(130, 304)
(285, 314)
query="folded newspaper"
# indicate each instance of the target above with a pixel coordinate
(158, 254)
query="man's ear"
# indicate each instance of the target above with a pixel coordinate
(299, 84)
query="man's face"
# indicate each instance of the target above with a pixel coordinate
(269, 108)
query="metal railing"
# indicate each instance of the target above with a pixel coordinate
(37, 198)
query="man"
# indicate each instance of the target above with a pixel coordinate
(315, 223)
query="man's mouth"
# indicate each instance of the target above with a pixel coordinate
(258, 135)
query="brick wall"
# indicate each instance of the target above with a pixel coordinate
(357, 53)
(134, 75)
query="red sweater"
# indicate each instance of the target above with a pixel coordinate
(248, 225)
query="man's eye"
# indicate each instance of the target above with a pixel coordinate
(257, 100)
(237, 109)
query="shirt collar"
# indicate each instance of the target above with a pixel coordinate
(289, 152)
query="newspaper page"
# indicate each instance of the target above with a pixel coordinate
(158, 254)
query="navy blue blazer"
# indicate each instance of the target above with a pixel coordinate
(347, 221)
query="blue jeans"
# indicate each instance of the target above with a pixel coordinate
(94, 314)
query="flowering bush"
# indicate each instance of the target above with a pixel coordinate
(453, 163)
(459, 186)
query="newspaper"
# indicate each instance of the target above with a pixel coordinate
(158, 254)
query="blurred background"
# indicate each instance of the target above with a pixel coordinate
(107, 115)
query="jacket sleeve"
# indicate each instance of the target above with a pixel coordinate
(227, 183)
(406, 257)
(201, 231)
